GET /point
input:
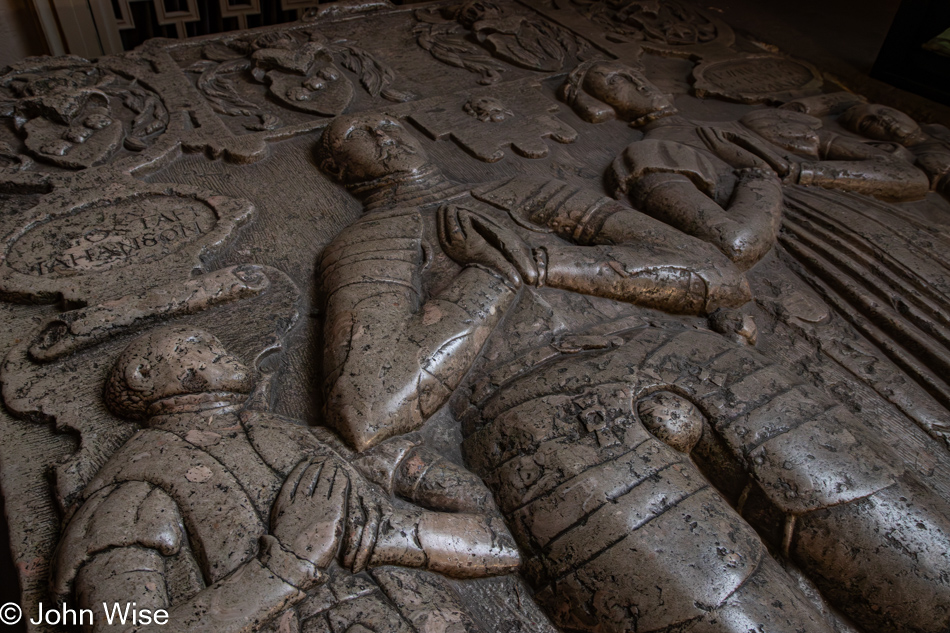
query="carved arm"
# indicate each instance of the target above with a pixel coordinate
(614, 251)
(855, 166)
(393, 356)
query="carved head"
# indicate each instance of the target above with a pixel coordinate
(602, 90)
(172, 362)
(794, 131)
(364, 148)
(881, 123)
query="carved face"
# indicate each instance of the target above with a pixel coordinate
(881, 123)
(627, 91)
(366, 148)
(171, 362)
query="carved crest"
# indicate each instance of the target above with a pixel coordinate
(301, 69)
(75, 114)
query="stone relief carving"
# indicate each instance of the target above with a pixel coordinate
(611, 251)
(72, 341)
(75, 114)
(523, 131)
(187, 498)
(300, 70)
(581, 453)
(667, 177)
(680, 172)
(487, 109)
(67, 243)
(278, 359)
(756, 79)
(478, 33)
(928, 148)
(667, 23)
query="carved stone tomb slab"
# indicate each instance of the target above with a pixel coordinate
(502, 316)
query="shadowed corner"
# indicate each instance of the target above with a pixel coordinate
(9, 582)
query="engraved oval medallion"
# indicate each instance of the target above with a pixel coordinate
(756, 79)
(104, 236)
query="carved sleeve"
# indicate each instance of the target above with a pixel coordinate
(744, 230)
(393, 356)
(684, 188)
(851, 165)
(246, 599)
(132, 514)
(114, 551)
(616, 252)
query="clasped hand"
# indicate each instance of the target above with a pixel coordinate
(471, 238)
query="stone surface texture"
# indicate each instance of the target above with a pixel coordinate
(504, 316)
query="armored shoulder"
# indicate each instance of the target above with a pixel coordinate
(128, 514)
(379, 241)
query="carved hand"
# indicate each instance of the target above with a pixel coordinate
(744, 151)
(308, 515)
(461, 545)
(473, 239)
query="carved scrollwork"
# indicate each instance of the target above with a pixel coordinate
(300, 70)
(479, 33)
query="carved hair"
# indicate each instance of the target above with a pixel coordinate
(572, 85)
(325, 150)
(124, 399)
